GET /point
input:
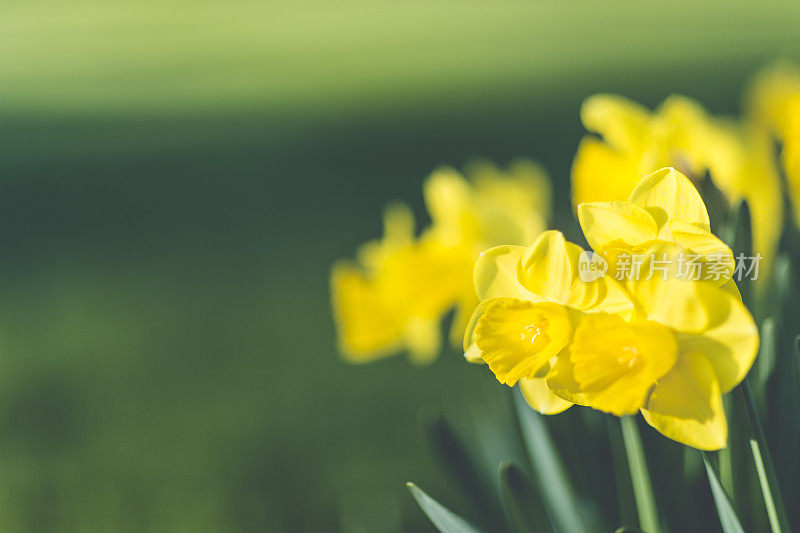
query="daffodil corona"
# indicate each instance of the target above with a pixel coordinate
(394, 298)
(659, 345)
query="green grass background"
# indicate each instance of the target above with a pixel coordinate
(176, 179)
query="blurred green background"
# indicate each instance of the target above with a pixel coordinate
(178, 177)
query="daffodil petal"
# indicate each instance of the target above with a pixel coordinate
(546, 269)
(770, 93)
(615, 300)
(700, 241)
(423, 338)
(663, 296)
(469, 332)
(763, 191)
(603, 222)
(462, 317)
(731, 288)
(549, 269)
(686, 405)
(623, 123)
(687, 130)
(510, 206)
(518, 338)
(446, 194)
(729, 341)
(368, 328)
(669, 195)
(674, 303)
(540, 398)
(602, 174)
(561, 380)
(473, 355)
(398, 223)
(398, 232)
(496, 274)
(791, 156)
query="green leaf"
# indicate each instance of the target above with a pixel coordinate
(523, 502)
(640, 475)
(554, 484)
(735, 465)
(765, 362)
(740, 239)
(766, 490)
(727, 515)
(445, 520)
(770, 489)
(453, 456)
(781, 290)
(740, 235)
(797, 361)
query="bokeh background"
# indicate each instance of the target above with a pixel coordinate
(176, 179)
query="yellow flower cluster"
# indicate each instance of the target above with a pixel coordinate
(395, 296)
(664, 346)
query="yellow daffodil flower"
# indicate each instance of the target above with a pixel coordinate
(635, 141)
(395, 296)
(666, 347)
(529, 300)
(664, 206)
(774, 103)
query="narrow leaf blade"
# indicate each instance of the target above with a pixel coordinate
(766, 490)
(797, 360)
(766, 358)
(727, 515)
(445, 520)
(741, 242)
(451, 453)
(770, 487)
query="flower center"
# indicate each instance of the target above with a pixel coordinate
(518, 338)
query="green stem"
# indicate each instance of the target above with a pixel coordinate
(640, 476)
(770, 489)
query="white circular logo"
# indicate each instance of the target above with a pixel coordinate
(591, 266)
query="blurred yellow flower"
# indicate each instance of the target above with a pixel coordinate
(635, 141)
(770, 95)
(774, 103)
(395, 296)
(666, 347)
